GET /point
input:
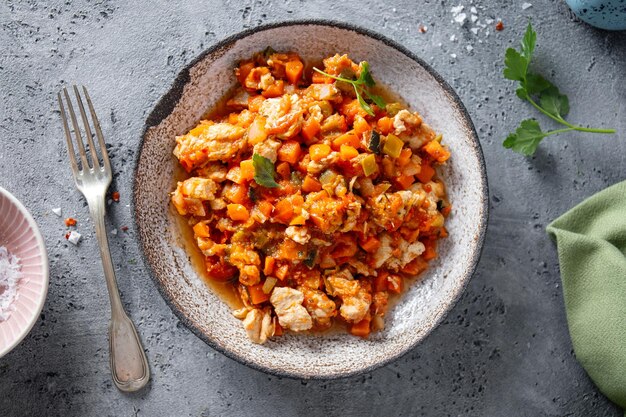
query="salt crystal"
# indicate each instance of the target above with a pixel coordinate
(456, 10)
(487, 33)
(439, 44)
(74, 237)
(473, 10)
(489, 21)
(474, 31)
(57, 211)
(452, 38)
(460, 18)
(453, 56)
(114, 232)
(526, 6)
(474, 18)
(10, 276)
(469, 48)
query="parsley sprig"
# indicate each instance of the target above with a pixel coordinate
(264, 171)
(532, 88)
(361, 87)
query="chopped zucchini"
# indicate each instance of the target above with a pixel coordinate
(393, 146)
(369, 165)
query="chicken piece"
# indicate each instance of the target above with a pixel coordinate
(361, 268)
(337, 64)
(268, 148)
(380, 302)
(209, 142)
(408, 251)
(321, 308)
(388, 210)
(189, 195)
(323, 92)
(239, 101)
(405, 121)
(315, 167)
(353, 211)
(298, 234)
(258, 325)
(215, 171)
(283, 115)
(288, 306)
(326, 213)
(356, 299)
(259, 78)
(383, 252)
(247, 260)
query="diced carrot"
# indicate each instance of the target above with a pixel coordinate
(310, 128)
(346, 139)
(443, 232)
(405, 157)
(233, 118)
(201, 230)
(275, 90)
(319, 151)
(265, 207)
(115, 196)
(290, 151)
(371, 244)
(236, 193)
(247, 169)
(294, 70)
(318, 78)
(362, 328)
(385, 125)
(426, 173)
(268, 267)
(237, 212)
(360, 125)
(290, 250)
(438, 152)
(298, 221)
(395, 283)
(352, 108)
(310, 184)
(70, 221)
(283, 170)
(347, 152)
(234, 174)
(415, 267)
(256, 131)
(431, 249)
(243, 71)
(405, 181)
(281, 272)
(254, 103)
(283, 211)
(446, 211)
(218, 269)
(257, 296)
(380, 282)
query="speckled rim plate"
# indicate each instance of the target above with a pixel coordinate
(24, 241)
(168, 103)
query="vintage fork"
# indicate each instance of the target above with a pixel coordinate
(128, 362)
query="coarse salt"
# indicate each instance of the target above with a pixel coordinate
(473, 10)
(57, 211)
(456, 10)
(474, 31)
(526, 6)
(452, 38)
(10, 276)
(453, 56)
(460, 18)
(469, 48)
(74, 237)
(474, 18)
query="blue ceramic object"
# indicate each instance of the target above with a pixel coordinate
(603, 14)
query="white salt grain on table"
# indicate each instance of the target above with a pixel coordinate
(10, 276)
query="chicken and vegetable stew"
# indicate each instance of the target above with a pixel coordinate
(312, 196)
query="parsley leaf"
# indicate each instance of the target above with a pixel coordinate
(264, 171)
(554, 102)
(361, 86)
(539, 92)
(526, 138)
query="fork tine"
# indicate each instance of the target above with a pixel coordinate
(68, 137)
(96, 123)
(79, 138)
(92, 146)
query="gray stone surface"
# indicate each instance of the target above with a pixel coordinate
(503, 351)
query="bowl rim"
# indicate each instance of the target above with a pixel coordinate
(166, 104)
(44, 253)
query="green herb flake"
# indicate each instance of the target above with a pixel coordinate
(264, 171)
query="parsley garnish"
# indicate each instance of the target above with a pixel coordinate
(361, 87)
(532, 86)
(264, 171)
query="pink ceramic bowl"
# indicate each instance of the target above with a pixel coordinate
(21, 236)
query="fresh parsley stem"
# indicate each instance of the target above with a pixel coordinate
(554, 132)
(564, 122)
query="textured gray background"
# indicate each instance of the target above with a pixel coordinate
(503, 351)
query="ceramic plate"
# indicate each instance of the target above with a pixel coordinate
(197, 89)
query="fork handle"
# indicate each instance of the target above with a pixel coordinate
(129, 365)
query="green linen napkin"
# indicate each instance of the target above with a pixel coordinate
(591, 241)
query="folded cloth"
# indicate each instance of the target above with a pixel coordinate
(591, 242)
